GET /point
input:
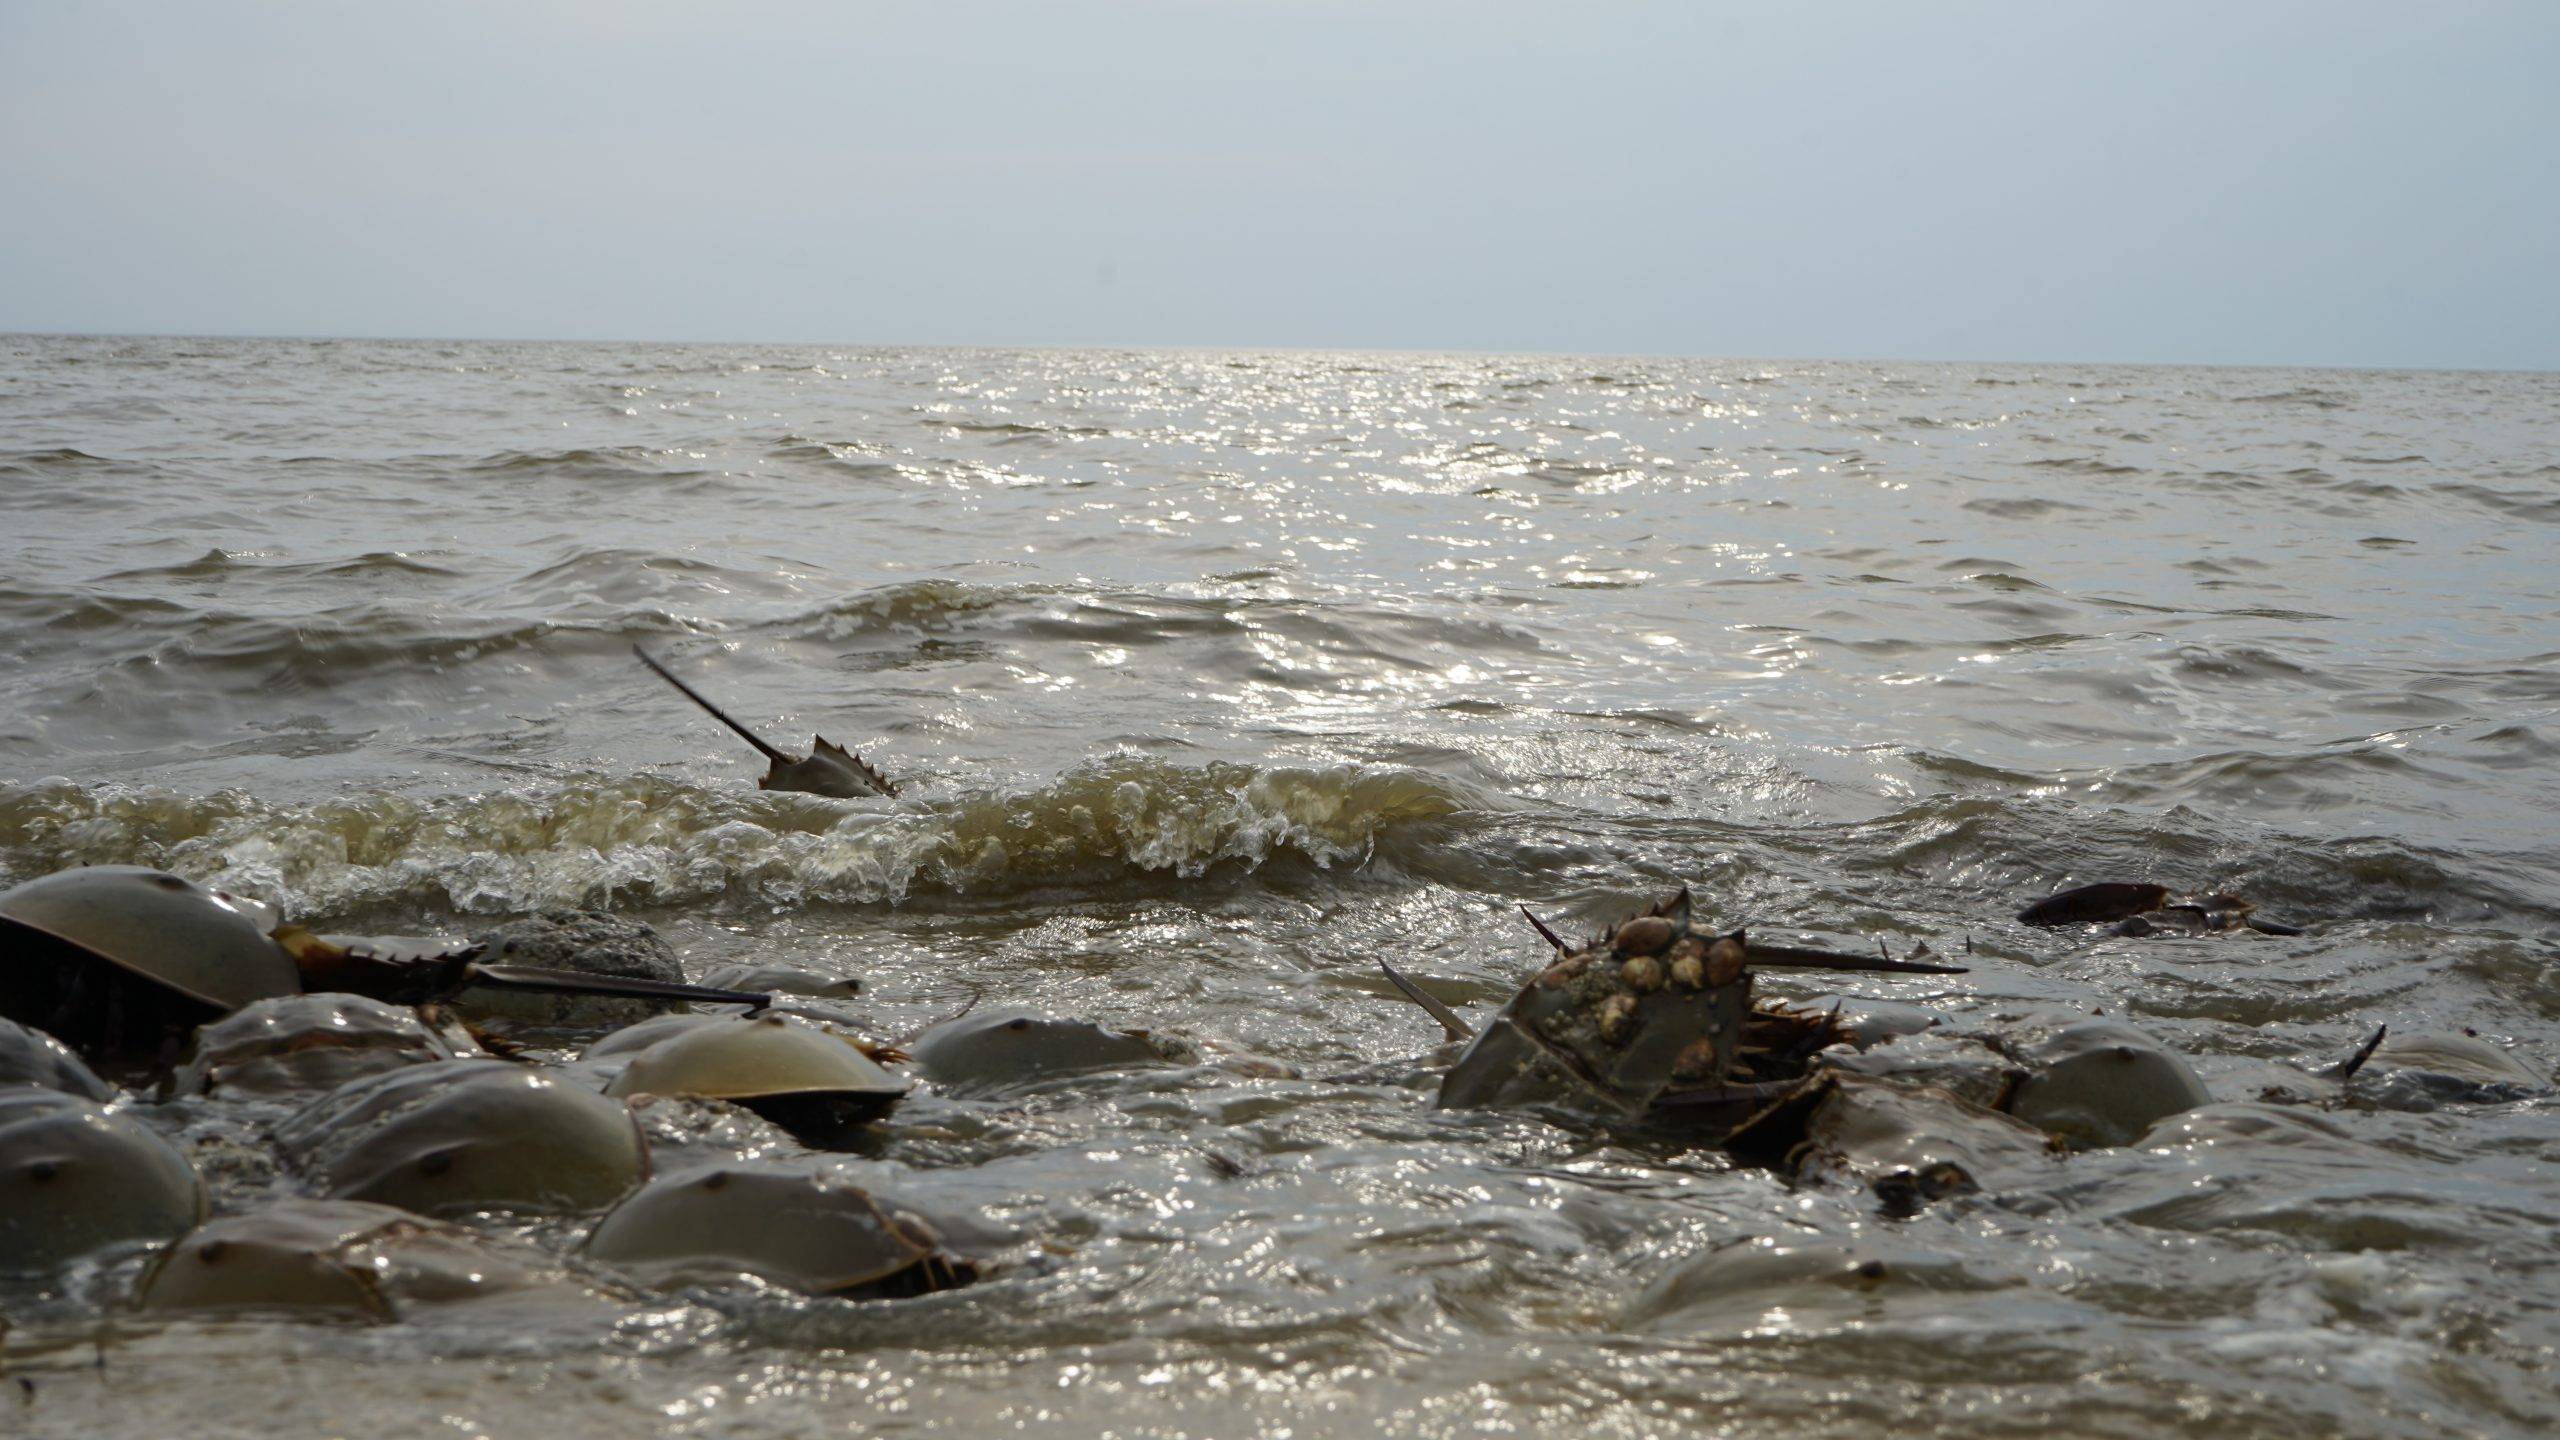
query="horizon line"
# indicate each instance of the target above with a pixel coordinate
(1249, 349)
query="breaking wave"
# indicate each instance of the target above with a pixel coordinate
(648, 842)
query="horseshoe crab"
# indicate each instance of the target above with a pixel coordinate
(1813, 1284)
(829, 770)
(31, 1057)
(1911, 1144)
(76, 1177)
(820, 1086)
(2099, 1082)
(1938, 1113)
(121, 962)
(2426, 1070)
(413, 971)
(814, 1231)
(1001, 1051)
(1653, 1016)
(457, 1136)
(2142, 908)
(336, 1259)
(301, 1044)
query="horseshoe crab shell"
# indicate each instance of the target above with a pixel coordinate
(1001, 1051)
(640, 1035)
(2424, 1070)
(335, 1259)
(2141, 908)
(1818, 1284)
(304, 1044)
(1968, 1067)
(816, 1084)
(2097, 904)
(814, 1231)
(1911, 1143)
(2462, 1057)
(76, 1177)
(464, 1135)
(31, 1057)
(2102, 1083)
(109, 958)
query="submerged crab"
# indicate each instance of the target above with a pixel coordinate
(76, 1177)
(1006, 1052)
(2142, 908)
(820, 1230)
(458, 1136)
(829, 770)
(348, 1260)
(29, 1056)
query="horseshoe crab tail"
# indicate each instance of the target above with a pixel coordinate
(776, 756)
(1450, 1023)
(578, 982)
(1790, 957)
(2346, 1069)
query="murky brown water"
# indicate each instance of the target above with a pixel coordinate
(1214, 678)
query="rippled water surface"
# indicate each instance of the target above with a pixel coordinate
(1212, 679)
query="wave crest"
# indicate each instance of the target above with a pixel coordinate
(644, 841)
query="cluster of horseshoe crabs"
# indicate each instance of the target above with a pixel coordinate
(323, 1125)
(311, 1124)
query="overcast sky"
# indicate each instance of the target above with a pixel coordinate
(2336, 183)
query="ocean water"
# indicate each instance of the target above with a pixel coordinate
(1212, 679)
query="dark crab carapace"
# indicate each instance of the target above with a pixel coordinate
(1655, 1013)
(829, 770)
(2142, 908)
